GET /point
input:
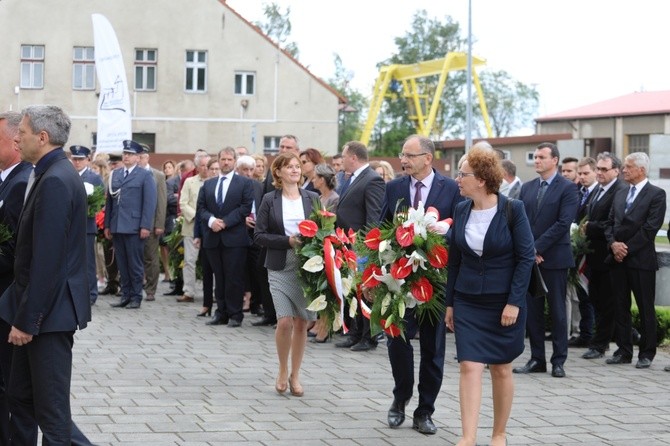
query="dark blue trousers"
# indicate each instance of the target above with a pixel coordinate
(556, 280)
(129, 254)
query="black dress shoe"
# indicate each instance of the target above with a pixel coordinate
(643, 363)
(122, 303)
(532, 366)
(174, 292)
(424, 424)
(396, 414)
(592, 353)
(264, 322)
(666, 368)
(233, 323)
(557, 371)
(619, 359)
(363, 346)
(347, 343)
(134, 305)
(217, 319)
(108, 290)
(576, 341)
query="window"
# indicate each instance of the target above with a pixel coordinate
(638, 143)
(145, 69)
(245, 83)
(32, 66)
(271, 145)
(196, 71)
(83, 68)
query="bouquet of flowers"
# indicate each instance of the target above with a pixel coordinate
(405, 268)
(95, 195)
(580, 247)
(328, 266)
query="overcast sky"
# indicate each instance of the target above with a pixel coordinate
(576, 52)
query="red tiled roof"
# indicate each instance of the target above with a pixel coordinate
(640, 103)
(341, 98)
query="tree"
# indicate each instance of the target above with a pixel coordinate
(350, 116)
(278, 27)
(511, 104)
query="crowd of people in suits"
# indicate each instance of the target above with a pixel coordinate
(238, 219)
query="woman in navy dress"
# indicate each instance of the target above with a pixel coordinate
(489, 270)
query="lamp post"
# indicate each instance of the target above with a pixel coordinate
(468, 104)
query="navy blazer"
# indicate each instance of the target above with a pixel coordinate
(134, 207)
(234, 210)
(506, 261)
(443, 196)
(12, 192)
(638, 227)
(88, 176)
(50, 292)
(270, 232)
(551, 222)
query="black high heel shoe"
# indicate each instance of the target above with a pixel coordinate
(205, 313)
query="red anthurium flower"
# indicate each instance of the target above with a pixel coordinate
(326, 213)
(308, 228)
(438, 256)
(352, 236)
(100, 219)
(422, 290)
(368, 280)
(392, 329)
(339, 232)
(401, 268)
(373, 238)
(350, 257)
(338, 259)
(405, 236)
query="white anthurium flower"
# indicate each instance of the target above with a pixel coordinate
(353, 306)
(347, 284)
(574, 227)
(89, 188)
(313, 265)
(386, 257)
(410, 302)
(318, 304)
(385, 303)
(383, 245)
(392, 284)
(417, 260)
(337, 323)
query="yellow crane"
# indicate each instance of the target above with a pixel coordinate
(422, 116)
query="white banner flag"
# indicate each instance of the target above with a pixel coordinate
(114, 121)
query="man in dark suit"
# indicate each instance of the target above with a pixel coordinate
(636, 215)
(13, 179)
(359, 206)
(80, 157)
(129, 219)
(151, 255)
(600, 283)
(44, 314)
(224, 202)
(551, 205)
(422, 183)
(287, 143)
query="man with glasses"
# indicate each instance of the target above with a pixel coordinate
(600, 283)
(421, 184)
(551, 205)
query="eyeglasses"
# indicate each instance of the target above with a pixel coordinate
(604, 169)
(465, 174)
(410, 155)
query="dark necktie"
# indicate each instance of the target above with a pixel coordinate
(629, 200)
(540, 193)
(347, 182)
(125, 173)
(219, 197)
(417, 194)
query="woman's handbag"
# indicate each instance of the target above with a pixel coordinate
(536, 286)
